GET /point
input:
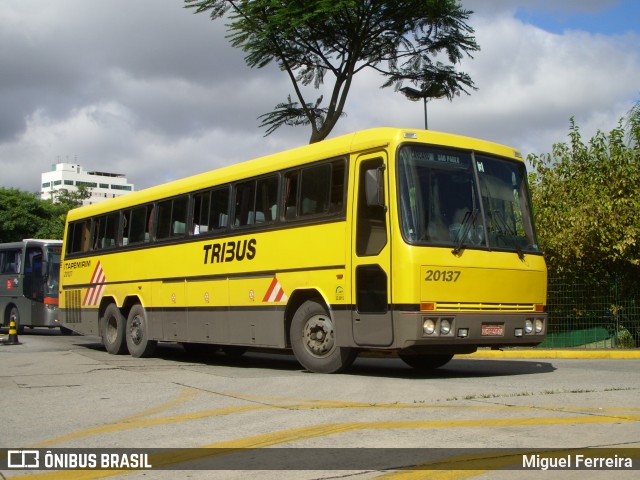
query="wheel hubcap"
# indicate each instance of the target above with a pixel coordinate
(135, 331)
(112, 330)
(318, 335)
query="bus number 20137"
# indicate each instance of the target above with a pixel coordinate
(442, 276)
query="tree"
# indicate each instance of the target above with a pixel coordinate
(24, 215)
(586, 199)
(69, 199)
(311, 40)
(633, 125)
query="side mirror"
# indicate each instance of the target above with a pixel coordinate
(374, 187)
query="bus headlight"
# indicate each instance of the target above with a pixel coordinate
(528, 326)
(539, 325)
(428, 326)
(445, 326)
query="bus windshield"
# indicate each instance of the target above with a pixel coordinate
(454, 198)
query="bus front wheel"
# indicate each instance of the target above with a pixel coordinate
(113, 324)
(137, 333)
(313, 340)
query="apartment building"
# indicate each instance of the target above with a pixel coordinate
(70, 176)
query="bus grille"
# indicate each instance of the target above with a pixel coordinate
(72, 300)
(485, 307)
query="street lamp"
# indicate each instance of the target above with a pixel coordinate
(430, 92)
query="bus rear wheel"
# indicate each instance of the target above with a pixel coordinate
(137, 333)
(313, 340)
(113, 324)
(426, 362)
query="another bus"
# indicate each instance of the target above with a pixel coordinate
(29, 275)
(408, 241)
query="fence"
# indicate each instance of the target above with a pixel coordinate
(593, 314)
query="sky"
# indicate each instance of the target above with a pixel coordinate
(148, 89)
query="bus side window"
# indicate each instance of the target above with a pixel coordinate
(105, 231)
(85, 235)
(172, 218)
(96, 223)
(125, 220)
(163, 220)
(219, 212)
(291, 181)
(315, 186)
(138, 225)
(211, 210)
(245, 194)
(12, 260)
(179, 216)
(267, 200)
(337, 187)
(78, 236)
(200, 219)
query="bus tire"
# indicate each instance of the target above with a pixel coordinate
(426, 362)
(113, 324)
(313, 340)
(137, 333)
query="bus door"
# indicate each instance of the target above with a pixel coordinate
(34, 285)
(371, 265)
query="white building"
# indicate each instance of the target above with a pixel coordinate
(70, 176)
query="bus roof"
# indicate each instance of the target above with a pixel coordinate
(36, 241)
(354, 142)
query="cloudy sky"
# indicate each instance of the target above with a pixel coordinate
(148, 89)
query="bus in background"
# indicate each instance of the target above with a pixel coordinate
(29, 276)
(407, 241)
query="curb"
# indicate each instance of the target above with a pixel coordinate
(574, 354)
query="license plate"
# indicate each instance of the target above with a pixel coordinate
(492, 329)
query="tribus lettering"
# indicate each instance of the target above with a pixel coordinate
(230, 251)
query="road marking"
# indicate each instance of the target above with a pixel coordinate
(302, 433)
(186, 395)
(138, 420)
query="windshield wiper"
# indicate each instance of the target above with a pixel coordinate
(504, 229)
(467, 222)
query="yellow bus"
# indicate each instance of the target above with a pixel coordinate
(407, 241)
